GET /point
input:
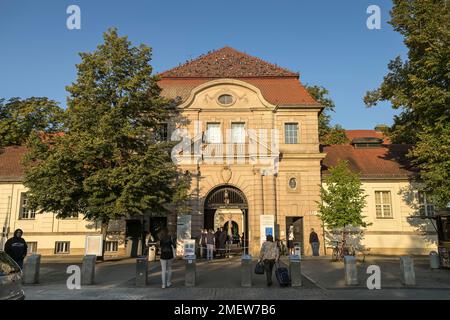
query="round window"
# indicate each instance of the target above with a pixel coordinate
(225, 99)
(292, 183)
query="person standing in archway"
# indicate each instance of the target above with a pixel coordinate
(210, 242)
(222, 241)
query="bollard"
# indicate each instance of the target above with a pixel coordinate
(152, 253)
(295, 270)
(407, 270)
(31, 269)
(246, 270)
(190, 276)
(434, 260)
(141, 271)
(351, 274)
(88, 270)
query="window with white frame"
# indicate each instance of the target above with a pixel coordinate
(25, 212)
(32, 247)
(62, 247)
(237, 132)
(426, 208)
(213, 133)
(111, 246)
(291, 133)
(383, 204)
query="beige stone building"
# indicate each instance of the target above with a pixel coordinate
(249, 141)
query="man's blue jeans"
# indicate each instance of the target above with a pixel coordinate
(315, 248)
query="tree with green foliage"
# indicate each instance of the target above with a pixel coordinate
(107, 164)
(19, 118)
(327, 134)
(419, 87)
(342, 199)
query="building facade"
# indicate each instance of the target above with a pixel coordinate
(248, 139)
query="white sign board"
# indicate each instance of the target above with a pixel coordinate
(183, 232)
(94, 245)
(189, 247)
(267, 226)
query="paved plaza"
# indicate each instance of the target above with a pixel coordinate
(220, 279)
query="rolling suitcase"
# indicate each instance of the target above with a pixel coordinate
(282, 275)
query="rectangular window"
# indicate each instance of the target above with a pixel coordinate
(383, 204)
(237, 132)
(62, 247)
(32, 247)
(426, 209)
(213, 133)
(162, 132)
(291, 133)
(25, 213)
(111, 246)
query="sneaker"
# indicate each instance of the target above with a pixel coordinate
(169, 284)
(163, 286)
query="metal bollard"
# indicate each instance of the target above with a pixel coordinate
(88, 270)
(351, 273)
(434, 260)
(141, 271)
(246, 270)
(31, 269)
(191, 272)
(407, 270)
(295, 270)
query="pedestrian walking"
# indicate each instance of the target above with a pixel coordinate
(210, 243)
(314, 241)
(291, 239)
(269, 254)
(167, 247)
(16, 247)
(222, 241)
(203, 243)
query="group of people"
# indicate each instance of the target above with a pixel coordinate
(215, 242)
(210, 241)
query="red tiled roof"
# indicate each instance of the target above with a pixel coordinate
(278, 86)
(281, 91)
(10, 163)
(387, 161)
(352, 134)
(227, 63)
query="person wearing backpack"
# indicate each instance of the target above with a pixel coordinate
(269, 254)
(167, 247)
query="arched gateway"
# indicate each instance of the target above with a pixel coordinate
(226, 207)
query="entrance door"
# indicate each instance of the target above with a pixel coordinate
(133, 236)
(297, 223)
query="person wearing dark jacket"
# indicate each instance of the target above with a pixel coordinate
(314, 241)
(222, 241)
(167, 246)
(16, 247)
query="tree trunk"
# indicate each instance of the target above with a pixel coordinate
(104, 231)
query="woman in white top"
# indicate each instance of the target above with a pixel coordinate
(269, 255)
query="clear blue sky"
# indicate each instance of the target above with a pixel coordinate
(327, 41)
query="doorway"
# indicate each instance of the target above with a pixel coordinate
(297, 223)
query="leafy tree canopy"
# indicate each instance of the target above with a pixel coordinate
(19, 118)
(107, 165)
(342, 198)
(419, 87)
(327, 134)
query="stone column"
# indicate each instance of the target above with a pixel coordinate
(31, 269)
(246, 271)
(351, 274)
(141, 272)
(88, 270)
(407, 271)
(295, 270)
(191, 272)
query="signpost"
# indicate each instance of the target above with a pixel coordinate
(267, 226)
(183, 233)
